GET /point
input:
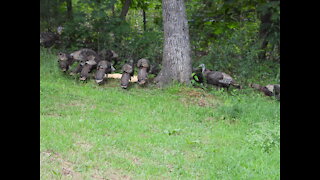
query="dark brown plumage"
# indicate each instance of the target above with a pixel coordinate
(154, 69)
(264, 89)
(82, 56)
(268, 90)
(144, 67)
(218, 78)
(85, 71)
(65, 61)
(48, 39)
(103, 68)
(110, 56)
(277, 91)
(88, 59)
(127, 72)
(89, 65)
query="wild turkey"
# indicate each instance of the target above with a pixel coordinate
(144, 67)
(103, 68)
(82, 56)
(109, 55)
(154, 69)
(65, 61)
(217, 78)
(48, 39)
(268, 90)
(127, 72)
(277, 91)
(89, 64)
(197, 75)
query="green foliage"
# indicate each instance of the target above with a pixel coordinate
(264, 136)
(146, 45)
(224, 35)
(95, 27)
(52, 14)
(91, 26)
(237, 55)
(211, 19)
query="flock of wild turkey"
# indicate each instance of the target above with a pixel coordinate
(104, 61)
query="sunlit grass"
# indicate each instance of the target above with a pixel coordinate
(91, 132)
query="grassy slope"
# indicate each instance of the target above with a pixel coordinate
(96, 132)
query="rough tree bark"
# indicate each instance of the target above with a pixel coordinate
(125, 9)
(176, 62)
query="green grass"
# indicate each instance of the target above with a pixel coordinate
(104, 132)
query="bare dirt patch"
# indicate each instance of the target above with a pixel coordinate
(66, 167)
(74, 103)
(84, 145)
(112, 174)
(198, 97)
(136, 161)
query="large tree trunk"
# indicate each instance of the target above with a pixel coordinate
(176, 62)
(125, 9)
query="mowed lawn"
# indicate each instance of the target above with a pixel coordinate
(104, 132)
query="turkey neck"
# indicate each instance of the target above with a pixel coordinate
(100, 73)
(206, 72)
(125, 80)
(143, 72)
(85, 71)
(142, 75)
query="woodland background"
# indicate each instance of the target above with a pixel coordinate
(239, 37)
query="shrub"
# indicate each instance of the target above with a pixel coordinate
(237, 55)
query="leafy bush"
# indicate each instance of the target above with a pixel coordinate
(237, 55)
(224, 35)
(93, 27)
